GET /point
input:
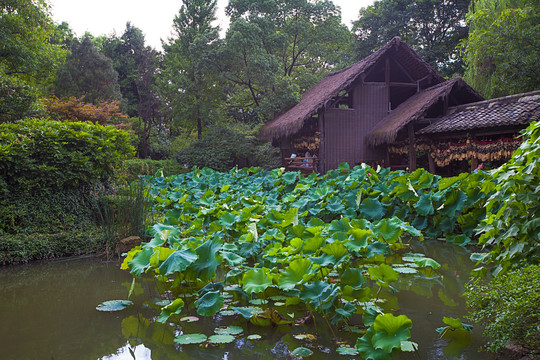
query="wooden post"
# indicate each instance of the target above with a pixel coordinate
(431, 163)
(322, 157)
(387, 81)
(474, 164)
(412, 148)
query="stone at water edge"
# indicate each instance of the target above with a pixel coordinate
(127, 244)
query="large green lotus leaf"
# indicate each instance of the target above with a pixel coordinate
(337, 249)
(383, 274)
(227, 220)
(256, 280)
(366, 349)
(297, 272)
(290, 177)
(455, 201)
(165, 233)
(425, 262)
(343, 313)
(390, 331)
(324, 260)
(341, 225)
(424, 206)
(141, 261)
(335, 207)
(209, 304)
(186, 339)
(372, 209)
(160, 254)
(290, 217)
(358, 239)
(313, 243)
(232, 258)
(205, 266)
(173, 308)
(177, 262)
(114, 305)
(321, 295)
(389, 229)
(353, 277)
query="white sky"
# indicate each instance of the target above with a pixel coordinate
(154, 18)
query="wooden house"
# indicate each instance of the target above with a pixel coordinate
(390, 106)
(353, 114)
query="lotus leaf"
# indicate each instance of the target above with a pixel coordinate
(190, 339)
(297, 272)
(390, 331)
(178, 261)
(302, 352)
(173, 308)
(114, 305)
(256, 281)
(209, 304)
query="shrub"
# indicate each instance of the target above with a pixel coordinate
(223, 148)
(38, 154)
(131, 169)
(220, 149)
(509, 307)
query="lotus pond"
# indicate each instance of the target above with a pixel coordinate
(357, 263)
(48, 312)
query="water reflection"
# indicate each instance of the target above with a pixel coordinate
(128, 352)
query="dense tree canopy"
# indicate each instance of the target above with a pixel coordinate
(87, 73)
(502, 51)
(28, 57)
(277, 50)
(432, 27)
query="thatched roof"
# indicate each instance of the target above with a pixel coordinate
(415, 107)
(507, 112)
(319, 95)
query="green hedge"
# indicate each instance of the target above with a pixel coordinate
(37, 154)
(15, 248)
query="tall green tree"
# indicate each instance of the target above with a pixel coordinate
(276, 50)
(136, 65)
(188, 79)
(28, 56)
(87, 73)
(502, 51)
(433, 28)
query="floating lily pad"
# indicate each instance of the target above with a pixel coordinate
(278, 304)
(302, 352)
(189, 319)
(221, 339)
(258, 301)
(278, 298)
(227, 312)
(347, 350)
(114, 305)
(309, 337)
(405, 270)
(190, 339)
(230, 330)
(409, 346)
(254, 337)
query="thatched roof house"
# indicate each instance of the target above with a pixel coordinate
(360, 113)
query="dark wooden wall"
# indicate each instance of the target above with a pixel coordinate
(345, 130)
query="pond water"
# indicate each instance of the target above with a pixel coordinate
(47, 311)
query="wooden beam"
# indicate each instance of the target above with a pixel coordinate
(474, 164)
(387, 81)
(404, 70)
(412, 149)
